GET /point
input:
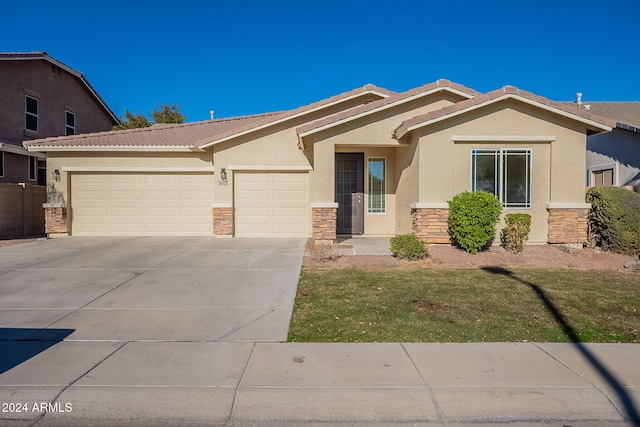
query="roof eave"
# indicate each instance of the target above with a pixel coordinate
(383, 108)
(113, 148)
(291, 117)
(595, 126)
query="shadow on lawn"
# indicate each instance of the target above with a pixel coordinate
(629, 405)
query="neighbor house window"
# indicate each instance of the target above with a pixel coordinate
(603, 177)
(505, 172)
(31, 113)
(70, 122)
(33, 167)
(376, 177)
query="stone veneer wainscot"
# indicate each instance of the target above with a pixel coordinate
(55, 218)
(568, 222)
(430, 222)
(222, 220)
(324, 217)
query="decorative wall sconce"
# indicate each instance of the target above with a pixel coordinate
(56, 175)
(223, 175)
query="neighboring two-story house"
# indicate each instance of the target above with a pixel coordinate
(41, 97)
(613, 158)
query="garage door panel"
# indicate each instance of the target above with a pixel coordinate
(163, 179)
(195, 211)
(161, 195)
(289, 195)
(125, 195)
(271, 204)
(297, 178)
(126, 211)
(288, 212)
(141, 204)
(90, 179)
(93, 195)
(194, 195)
(288, 229)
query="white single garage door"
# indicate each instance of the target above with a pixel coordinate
(271, 204)
(160, 204)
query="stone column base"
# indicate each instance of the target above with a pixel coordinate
(324, 219)
(55, 219)
(431, 224)
(222, 220)
(568, 223)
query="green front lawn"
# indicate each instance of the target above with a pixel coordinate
(433, 305)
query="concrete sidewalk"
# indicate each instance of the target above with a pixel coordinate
(242, 384)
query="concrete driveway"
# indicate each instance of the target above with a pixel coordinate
(149, 288)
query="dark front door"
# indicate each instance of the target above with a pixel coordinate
(349, 184)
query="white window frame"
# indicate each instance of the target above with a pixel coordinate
(28, 113)
(67, 126)
(384, 187)
(501, 155)
(591, 170)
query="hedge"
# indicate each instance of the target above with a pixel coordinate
(614, 219)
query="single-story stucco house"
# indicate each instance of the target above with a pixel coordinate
(366, 162)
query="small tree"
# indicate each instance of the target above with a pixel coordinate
(168, 114)
(132, 121)
(472, 219)
(165, 114)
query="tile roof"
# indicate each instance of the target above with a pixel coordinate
(289, 114)
(374, 106)
(162, 135)
(196, 134)
(487, 98)
(626, 114)
(23, 56)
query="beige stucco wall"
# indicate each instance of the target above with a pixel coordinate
(275, 148)
(373, 136)
(557, 165)
(407, 175)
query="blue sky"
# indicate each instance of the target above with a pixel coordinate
(244, 56)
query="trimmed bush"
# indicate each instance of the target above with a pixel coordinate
(408, 246)
(516, 232)
(472, 219)
(614, 219)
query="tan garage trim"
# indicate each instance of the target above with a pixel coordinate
(141, 204)
(271, 204)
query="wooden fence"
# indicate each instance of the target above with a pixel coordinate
(21, 212)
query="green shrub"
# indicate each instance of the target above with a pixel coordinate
(472, 219)
(614, 219)
(408, 246)
(516, 232)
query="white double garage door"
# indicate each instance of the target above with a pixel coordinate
(267, 204)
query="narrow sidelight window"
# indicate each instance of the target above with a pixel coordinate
(505, 172)
(376, 167)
